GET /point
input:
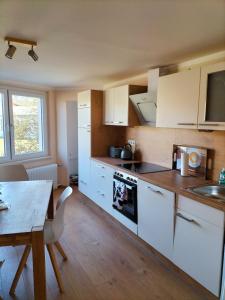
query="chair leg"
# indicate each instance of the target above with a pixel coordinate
(20, 269)
(55, 266)
(61, 251)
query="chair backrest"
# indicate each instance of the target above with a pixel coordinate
(13, 173)
(58, 222)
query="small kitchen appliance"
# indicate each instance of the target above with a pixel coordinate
(115, 152)
(126, 152)
(197, 159)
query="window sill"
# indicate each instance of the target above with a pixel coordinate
(29, 160)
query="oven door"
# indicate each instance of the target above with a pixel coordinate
(129, 207)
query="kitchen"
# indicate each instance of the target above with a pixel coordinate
(155, 190)
(112, 150)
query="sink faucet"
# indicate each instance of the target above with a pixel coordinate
(222, 177)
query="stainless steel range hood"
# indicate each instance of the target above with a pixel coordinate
(146, 104)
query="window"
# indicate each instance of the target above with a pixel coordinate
(23, 130)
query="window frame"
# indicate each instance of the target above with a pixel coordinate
(6, 128)
(9, 116)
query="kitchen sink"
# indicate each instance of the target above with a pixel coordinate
(210, 191)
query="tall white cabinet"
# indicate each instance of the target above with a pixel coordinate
(90, 106)
(84, 141)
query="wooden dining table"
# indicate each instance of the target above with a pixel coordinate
(23, 222)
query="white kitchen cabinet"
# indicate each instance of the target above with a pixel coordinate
(198, 242)
(212, 99)
(84, 99)
(102, 185)
(84, 117)
(177, 100)
(84, 153)
(156, 217)
(108, 107)
(117, 106)
(121, 105)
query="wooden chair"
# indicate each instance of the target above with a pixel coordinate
(52, 231)
(13, 173)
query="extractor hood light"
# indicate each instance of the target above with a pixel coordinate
(11, 51)
(32, 54)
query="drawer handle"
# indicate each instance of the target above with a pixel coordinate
(83, 104)
(102, 176)
(186, 124)
(155, 191)
(101, 194)
(186, 218)
(207, 124)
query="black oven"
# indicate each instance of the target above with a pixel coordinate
(127, 203)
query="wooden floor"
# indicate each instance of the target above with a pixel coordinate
(106, 262)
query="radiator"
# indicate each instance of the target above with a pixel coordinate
(48, 172)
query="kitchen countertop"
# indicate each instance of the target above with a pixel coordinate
(170, 180)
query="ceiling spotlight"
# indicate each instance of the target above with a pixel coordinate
(10, 52)
(33, 54)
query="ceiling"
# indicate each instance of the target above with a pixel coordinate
(89, 43)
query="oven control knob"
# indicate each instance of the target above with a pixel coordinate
(135, 181)
(128, 178)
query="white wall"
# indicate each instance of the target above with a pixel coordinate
(66, 115)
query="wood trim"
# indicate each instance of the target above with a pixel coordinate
(20, 41)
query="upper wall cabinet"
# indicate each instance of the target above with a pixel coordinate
(193, 99)
(84, 99)
(118, 109)
(177, 100)
(212, 97)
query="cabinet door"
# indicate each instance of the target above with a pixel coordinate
(198, 248)
(84, 153)
(177, 101)
(84, 117)
(212, 97)
(102, 185)
(121, 105)
(84, 99)
(156, 217)
(108, 106)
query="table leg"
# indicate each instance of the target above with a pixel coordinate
(50, 212)
(38, 250)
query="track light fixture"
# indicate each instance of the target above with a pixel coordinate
(11, 49)
(32, 54)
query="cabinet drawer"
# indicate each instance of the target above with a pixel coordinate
(205, 212)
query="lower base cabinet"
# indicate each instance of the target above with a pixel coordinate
(156, 217)
(102, 185)
(198, 242)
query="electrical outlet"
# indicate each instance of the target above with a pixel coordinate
(133, 144)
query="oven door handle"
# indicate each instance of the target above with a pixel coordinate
(120, 179)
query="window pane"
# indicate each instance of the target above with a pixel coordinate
(2, 130)
(27, 121)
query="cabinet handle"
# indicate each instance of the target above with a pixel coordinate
(186, 218)
(101, 194)
(83, 182)
(83, 104)
(155, 191)
(103, 176)
(186, 124)
(207, 124)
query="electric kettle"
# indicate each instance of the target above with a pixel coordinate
(126, 152)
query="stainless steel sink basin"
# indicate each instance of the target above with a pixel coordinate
(210, 191)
